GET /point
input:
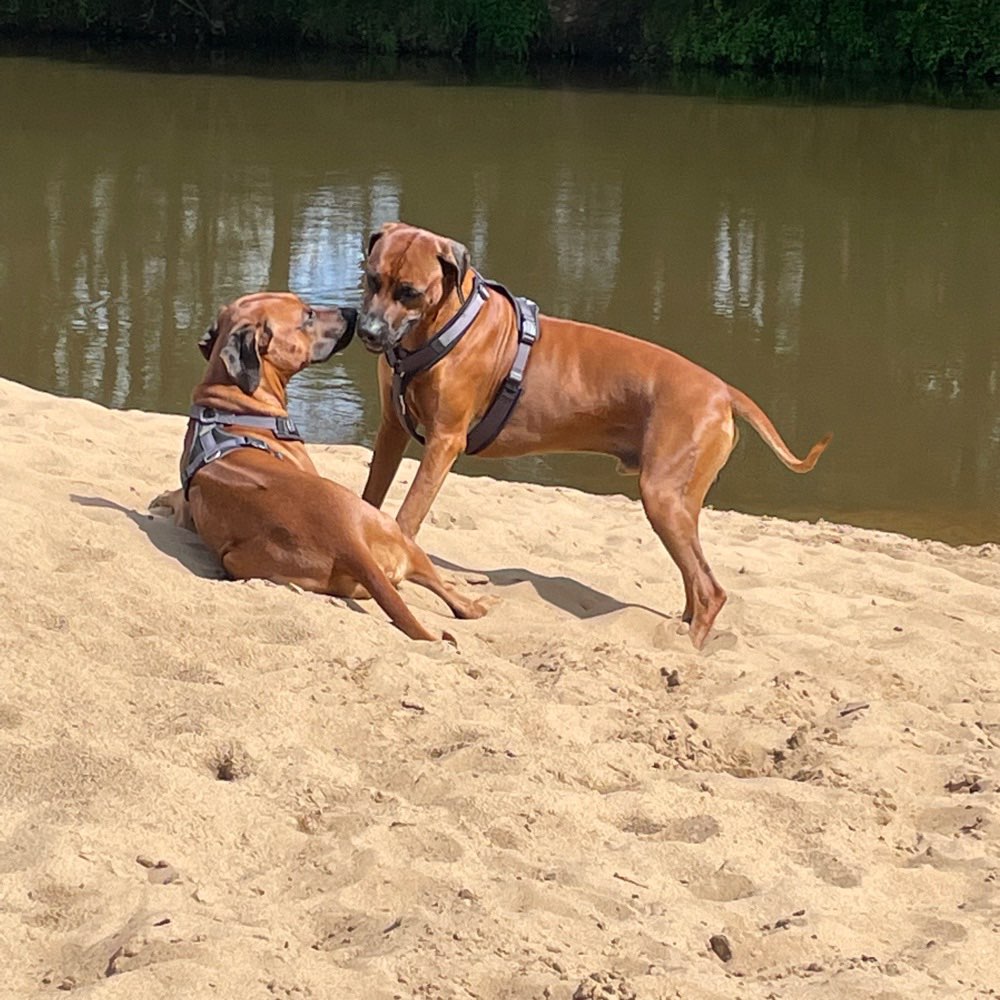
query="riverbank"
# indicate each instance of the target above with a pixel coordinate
(214, 788)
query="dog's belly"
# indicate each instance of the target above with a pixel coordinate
(344, 585)
(527, 434)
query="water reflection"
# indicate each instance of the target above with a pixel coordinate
(738, 289)
(327, 404)
(585, 226)
(837, 263)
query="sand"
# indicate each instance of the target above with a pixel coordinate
(234, 790)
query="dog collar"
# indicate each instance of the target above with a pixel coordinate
(210, 442)
(408, 363)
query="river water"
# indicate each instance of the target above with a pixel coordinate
(838, 262)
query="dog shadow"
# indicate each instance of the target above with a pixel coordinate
(560, 591)
(187, 548)
(184, 546)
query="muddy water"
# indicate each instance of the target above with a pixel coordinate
(839, 263)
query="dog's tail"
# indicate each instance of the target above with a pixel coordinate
(745, 407)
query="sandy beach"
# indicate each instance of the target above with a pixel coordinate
(235, 790)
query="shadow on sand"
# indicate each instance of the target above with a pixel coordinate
(184, 546)
(187, 548)
(560, 591)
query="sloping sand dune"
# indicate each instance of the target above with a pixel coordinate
(218, 789)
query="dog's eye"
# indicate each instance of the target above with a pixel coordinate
(407, 293)
(310, 316)
(372, 281)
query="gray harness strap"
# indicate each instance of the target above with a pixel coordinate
(495, 418)
(210, 442)
(408, 364)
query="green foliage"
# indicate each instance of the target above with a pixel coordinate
(940, 38)
(504, 28)
(498, 28)
(953, 36)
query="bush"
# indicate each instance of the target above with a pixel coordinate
(943, 38)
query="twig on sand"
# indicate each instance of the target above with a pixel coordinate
(631, 881)
(852, 707)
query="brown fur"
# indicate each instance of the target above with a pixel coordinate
(586, 389)
(279, 519)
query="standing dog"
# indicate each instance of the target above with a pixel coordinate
(585, 388)
(252, 491)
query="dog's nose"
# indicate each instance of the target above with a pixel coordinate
(370, 327)
(350, 317)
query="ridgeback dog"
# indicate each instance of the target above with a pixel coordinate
(250, 489)
(459, 358)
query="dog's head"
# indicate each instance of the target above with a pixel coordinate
(275, 331)
(410, 274)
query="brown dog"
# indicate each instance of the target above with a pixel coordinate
(584, 389)
(253, 493)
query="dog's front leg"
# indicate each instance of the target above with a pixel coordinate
(439, 456)
(176, 506)
(390, 443)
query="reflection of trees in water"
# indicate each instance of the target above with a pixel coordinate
(740, 259)
(839, 270)
(585, 224)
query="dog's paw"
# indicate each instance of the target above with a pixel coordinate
(172, 504)
(469, 609)
(167, 502)
(481, 606)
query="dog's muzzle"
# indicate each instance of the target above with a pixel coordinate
(374, 332)
(327, 345)
(351, 319)
(378, 335)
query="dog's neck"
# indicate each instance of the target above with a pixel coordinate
(219, 391)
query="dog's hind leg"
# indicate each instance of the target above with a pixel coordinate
(678, 531)
(673, 490)
(385, 595)
(422, 572)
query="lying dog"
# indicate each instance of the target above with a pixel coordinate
(251, 490)
(459, 358)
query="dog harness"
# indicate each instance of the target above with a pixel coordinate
(406, 365)
(210, 442)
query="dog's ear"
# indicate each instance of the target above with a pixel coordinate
(379, 233)
(241, 356)
(207, 341)
(455, 262)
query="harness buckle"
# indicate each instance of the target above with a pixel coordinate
(285, 429)
(529, 323)
(512, 384)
